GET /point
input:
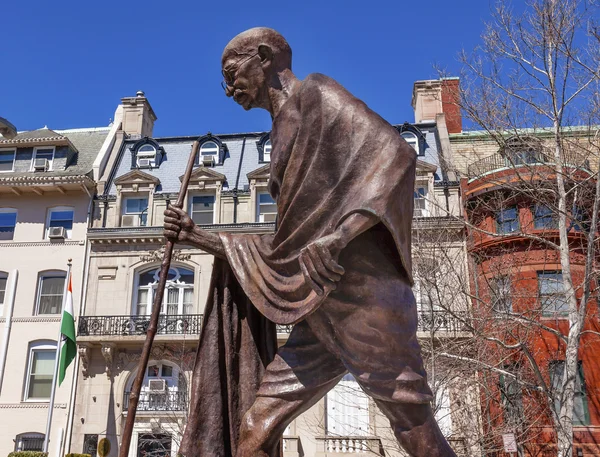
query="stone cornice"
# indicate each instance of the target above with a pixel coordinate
(46, 180)
(21, 244)
(36, 319)
(31, 405)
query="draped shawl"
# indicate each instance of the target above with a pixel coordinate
(331, 157)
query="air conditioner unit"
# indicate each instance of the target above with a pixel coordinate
(208, 161)
(157, 385)
(144, 163)
(55, 233)
(40, 164)
(130, 220)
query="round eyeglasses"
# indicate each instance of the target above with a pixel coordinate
(229, 73)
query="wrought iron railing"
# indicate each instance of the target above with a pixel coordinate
(522, 158)
(159, 401)
(442, 321)
(138, 325)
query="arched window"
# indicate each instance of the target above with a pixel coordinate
(412, 139)
(209, 153)
(32, 441)
(40, 370)
(51, 287)
(146, 156)
(164, 388)
(179, 294)
(267, 151)
(523, 151)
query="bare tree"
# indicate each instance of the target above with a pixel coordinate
(532, 89)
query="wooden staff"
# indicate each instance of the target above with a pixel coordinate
(158, 298)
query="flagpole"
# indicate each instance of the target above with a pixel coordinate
(56, 360)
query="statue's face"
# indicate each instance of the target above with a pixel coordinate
(244, 80)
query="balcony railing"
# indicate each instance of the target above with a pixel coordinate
(442, 321)
(522, 158)
(138, 325)
(159, 401)
(349, 445)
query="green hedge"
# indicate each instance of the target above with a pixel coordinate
(28, 454)
(77, 455)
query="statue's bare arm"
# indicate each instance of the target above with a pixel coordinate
(318, 260)
(180, 228)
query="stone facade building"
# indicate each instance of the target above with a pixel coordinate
(47, 183)
(227, 192)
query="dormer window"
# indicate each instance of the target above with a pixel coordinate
(267, 151)
(146, 156)
(412, 139)
(43, 159)
(209, 153)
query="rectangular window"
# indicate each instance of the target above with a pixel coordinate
(3, 280)
(90, 445)
(512, 400)
(43, 153)
(267, 151)
(7, 160)
(552, 294)
(137, 207)
(41, 370)
(500, 293)
(544, 218)
(420, 203)
(60, 217)
(50, 295)
(8, 222)
(580, 220)
(267, 208)
(202, 209)
(580, 408)
(507, 220)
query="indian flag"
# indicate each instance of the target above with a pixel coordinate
(68, 347)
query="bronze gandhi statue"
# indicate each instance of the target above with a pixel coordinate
(338, 266)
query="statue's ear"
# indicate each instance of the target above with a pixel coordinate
(265, 52)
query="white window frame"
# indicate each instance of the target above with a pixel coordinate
(49, 217)
(41, 276)
(11, 211)
(267, 148)
(139, 214)
(347, 409)
(425, 210)
(45, 346)
(50, 162)
(172, 283)
(259, 216)
(412, 139)
(191, 205)
(14, 151)
(146, 155)
(3, 275)
(210, 151)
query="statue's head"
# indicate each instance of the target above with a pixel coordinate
(250, 64)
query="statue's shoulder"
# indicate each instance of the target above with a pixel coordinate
(317, 84)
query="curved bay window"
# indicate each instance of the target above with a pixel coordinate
(179, 292)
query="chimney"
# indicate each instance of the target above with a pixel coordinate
(138, 116)
(437, 96)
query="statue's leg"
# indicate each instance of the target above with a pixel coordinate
(302, 372)
(416, 429)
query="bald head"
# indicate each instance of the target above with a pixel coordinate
(250, 42)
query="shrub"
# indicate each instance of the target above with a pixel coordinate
(28, 454)
(78, 455)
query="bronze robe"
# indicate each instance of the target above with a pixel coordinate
(332, 157)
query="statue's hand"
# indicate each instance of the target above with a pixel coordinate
(178, 225)
(318, 262)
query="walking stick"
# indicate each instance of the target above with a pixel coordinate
(158, 298)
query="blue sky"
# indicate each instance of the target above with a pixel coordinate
(66, 64)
